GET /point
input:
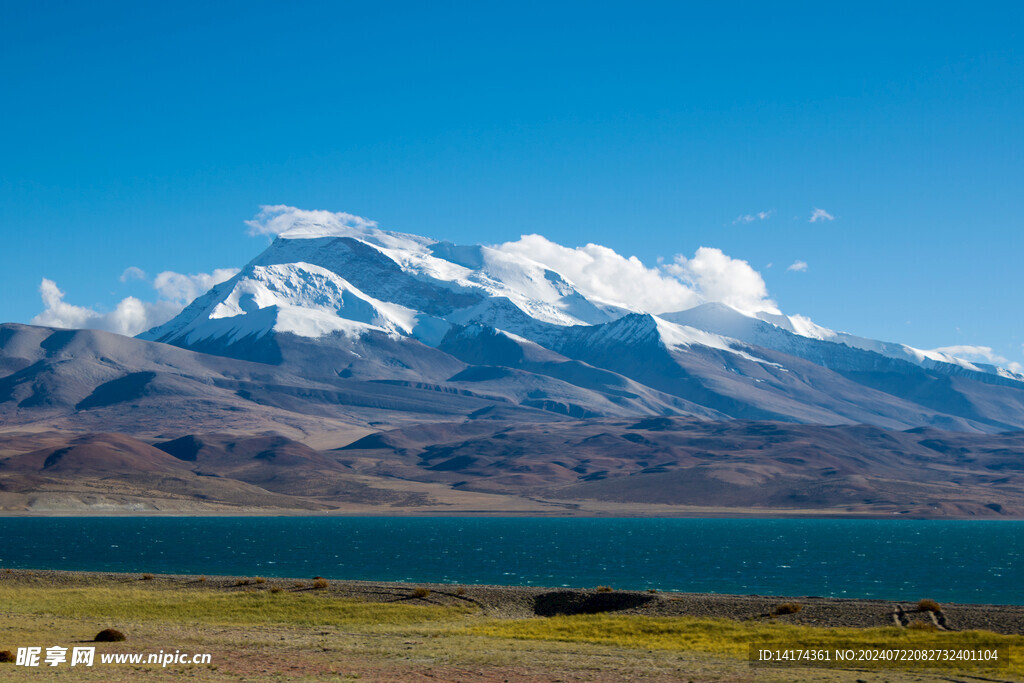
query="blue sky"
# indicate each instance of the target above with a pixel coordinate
(138, 134)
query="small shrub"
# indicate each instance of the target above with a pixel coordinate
(276, 589)
(320, 582)
(8, 571)
(923, 626)
(652, 590)
(928, 606)
(299, 584)
(460, 591)
(109, 635)
(260, 579)
(604, 589)
(419, 592)
(788, 608)
(201, 579)
(6, 656)
(242, 582)
(147, 577)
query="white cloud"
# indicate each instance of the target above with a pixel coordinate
(974, 353)
(131, 315)
(58, 313)
(798, 266)
(602, 273)
(981, 354)
(184, 288)
(718, 277)
(751, 217)
(821, 215)
(279, 219)
(133, 273)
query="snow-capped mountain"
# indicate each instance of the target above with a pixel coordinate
(310, 284)
(354, 301)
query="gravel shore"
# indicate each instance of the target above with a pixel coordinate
(517, 602)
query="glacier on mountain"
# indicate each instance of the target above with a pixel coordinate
(337, 274)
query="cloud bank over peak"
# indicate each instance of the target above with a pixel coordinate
(602, 273)
(288, 221)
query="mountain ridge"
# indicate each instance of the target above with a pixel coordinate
(363, 368)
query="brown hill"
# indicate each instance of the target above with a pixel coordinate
(94, 454)
(736, 464)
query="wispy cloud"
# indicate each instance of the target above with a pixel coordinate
(983, 354)
(798, 266)
(972, 352)
(821, 215)
(132, 273)
(751, 217)
(131, 315)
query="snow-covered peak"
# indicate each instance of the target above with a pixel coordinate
(327, 273)
(676, 337)
(773, 330)
(302, 299)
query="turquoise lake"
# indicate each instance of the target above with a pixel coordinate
(950, 561)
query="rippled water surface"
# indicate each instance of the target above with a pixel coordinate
(952, 561)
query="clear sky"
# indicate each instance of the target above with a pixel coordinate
(145, 134)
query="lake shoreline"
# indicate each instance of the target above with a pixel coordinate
(518, 602)
(606, 512)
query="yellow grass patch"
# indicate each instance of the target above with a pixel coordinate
(733, 638)
(261, 607)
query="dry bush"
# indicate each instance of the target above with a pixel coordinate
(201, 579)
(419, 592)
(242, 582)
(6, 656)
(788, 608)
(276, 589)
(460, 591)
(109, 635)
(299, 584)
(928, 606)
(260, 579)
(147, 577)
(604, 589)
(320, 582)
